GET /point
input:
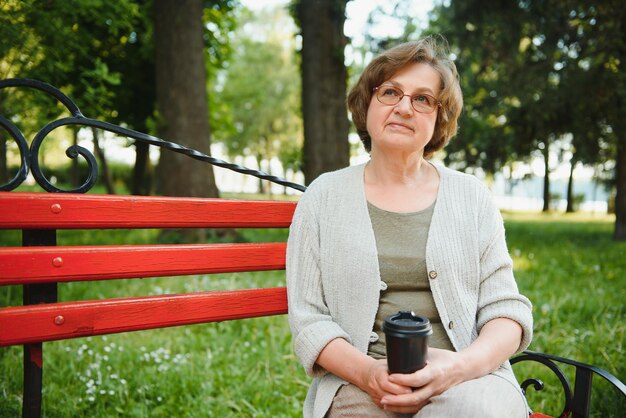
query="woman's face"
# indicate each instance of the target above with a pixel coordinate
(400, 127)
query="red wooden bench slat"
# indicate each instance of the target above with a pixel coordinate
(57, 321)
(75, 211)
(25, 265)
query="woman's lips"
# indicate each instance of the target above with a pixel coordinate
(396, 125)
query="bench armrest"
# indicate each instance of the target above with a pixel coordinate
(578, 399)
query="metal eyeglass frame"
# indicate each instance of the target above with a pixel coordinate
(376, 89)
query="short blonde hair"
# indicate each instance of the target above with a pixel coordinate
(429, 51)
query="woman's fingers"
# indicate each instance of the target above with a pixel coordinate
(407, 403)
(395, 388)
(415, 380)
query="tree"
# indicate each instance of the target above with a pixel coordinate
(182, 97)
(604, 52)
(78, 45)
(324, 79)
(552, 68)
(71, 46)
(257, 100)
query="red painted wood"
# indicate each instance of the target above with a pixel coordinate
(76, 211)
(57, 321)
(23, 265)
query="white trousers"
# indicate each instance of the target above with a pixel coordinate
(488, 396)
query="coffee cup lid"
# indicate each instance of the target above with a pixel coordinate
(405, 322)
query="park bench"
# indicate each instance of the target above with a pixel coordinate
(40, 265)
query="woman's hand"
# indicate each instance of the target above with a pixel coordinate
(375, 381)
(497, 341)
(442, 371)
(343, 360)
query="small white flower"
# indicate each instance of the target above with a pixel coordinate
(91, 399)
(123, 381)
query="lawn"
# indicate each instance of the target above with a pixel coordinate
(567, 265)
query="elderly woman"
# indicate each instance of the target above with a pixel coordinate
(401, 233)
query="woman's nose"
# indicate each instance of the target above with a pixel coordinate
(404, 106)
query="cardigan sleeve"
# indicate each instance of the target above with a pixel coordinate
(499, 296)
(311, 325)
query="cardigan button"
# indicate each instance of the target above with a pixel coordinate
(373, 337)
(450, 325)
(432, 274)
(383, 285)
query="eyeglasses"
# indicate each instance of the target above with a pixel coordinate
(391, 96)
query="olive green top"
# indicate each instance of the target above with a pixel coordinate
(401, 245)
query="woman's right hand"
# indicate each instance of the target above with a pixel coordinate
(375, 381)
(342, 359)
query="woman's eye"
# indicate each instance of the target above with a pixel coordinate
(391, 92)
(420, 98)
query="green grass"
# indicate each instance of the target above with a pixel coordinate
(575, 275)
(568, 266)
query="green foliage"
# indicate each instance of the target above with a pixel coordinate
(221, 21)
(99, 53)
(567, 265)
(525, 68)
(255, 109)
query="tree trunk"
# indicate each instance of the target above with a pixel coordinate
(620, 182)
(141, 179)
(104, 168)
(546, 178)
(268, 154)
(570, 187)
(324, 79)
(259, 161)
(182, 97)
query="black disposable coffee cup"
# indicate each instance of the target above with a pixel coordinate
(406, 335)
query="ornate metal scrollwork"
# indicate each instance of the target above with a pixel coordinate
(578, 401)
(30, 158)
(22, 145)
(539, 385)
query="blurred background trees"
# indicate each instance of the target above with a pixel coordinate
(324, 79)
(257, 108)
(540, 78)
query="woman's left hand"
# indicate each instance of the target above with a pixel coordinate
(442, 371)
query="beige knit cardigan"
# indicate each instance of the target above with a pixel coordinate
(333, 277)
